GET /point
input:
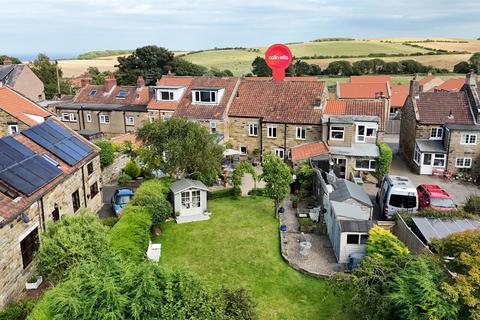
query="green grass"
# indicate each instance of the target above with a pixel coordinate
(239, 247)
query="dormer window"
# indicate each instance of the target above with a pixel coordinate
(93, 93)
(166, 96)
(122, 94)
(207, 95)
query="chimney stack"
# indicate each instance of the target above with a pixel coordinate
(85, 82)
(471, 78)
(140, 82)
(110, 82)
(414, 89)
(6, 60)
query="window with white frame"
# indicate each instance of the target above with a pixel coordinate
(243, 150)
(190, 199)
(337, 133)
(66, 117)
(186, 200)
(73, 117)
(253, 129)
(104, 119)
(364, 131)
(417, 155)
(365, 164)
(195, 198)
(89, 117)
(213, 126)
(463, 162)
(439, 160)
(469, 139)
(166, 96)
(436, 134)
(130, 121)
(279, 152)
(301, 133)
(12, 128)
(272, 131)
(205, 96)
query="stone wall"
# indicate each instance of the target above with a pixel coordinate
(113, 171)
(6, 119)
(408, 129)
(458, 150)
(13, 273)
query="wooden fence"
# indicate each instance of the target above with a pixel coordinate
(406, 235)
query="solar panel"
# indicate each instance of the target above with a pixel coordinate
(11, 152)
(59, 141)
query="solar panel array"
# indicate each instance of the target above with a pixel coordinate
(22, 169)
(58, 141)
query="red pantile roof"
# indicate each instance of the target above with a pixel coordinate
(357, 108)
(453, 85)
(134, 96)
(188, 109)
(399, 95)
(20, 107)
(10, 208)
(362, 90)
(306, 78)
(309, 150)
(286, 102)
(371, 79)
(169, 81)
(427, 79)
(443, 107)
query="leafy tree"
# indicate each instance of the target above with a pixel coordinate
(475, 61)
(182, 67)
(68, 242)
(462, 67)
(155, 203)
(182, 149)
(412, 66)
(98, 78)
(277, 177)
(260, 68)
(392, 68)
(339, 68)
(382, 244)
(220, 73)
(472, 204)
(302, 68)
(304, 175)
(239, 171)
(12, 59)
(133, 169)
(47, 72)
(107, 153)
(384, 161)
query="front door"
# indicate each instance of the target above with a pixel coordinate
(427, 163)
(56, 214)
(340, 167)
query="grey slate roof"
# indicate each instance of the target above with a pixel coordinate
(102, 107)
(355, 226)
(180, 185)
(432, 228)
(431, 146)
(345, 211)
(9, 73)
(357, 150)
(348, 190)
(349, 118)
(463, 127)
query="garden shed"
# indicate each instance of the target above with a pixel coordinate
(189, 199)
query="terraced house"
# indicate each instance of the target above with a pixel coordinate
(440, 131)
(46, 171)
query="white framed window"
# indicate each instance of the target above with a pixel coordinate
(463, 162)
(213, 126)
(365, 164)
(301, 133)
(12, 128)
(272, 131)
(186, 199)
(89, 117)
(104, 119)
(337, 133)
(190, 199)
(205, 96)
(417, 155)
(279, 152)
(66, 117)
(130, 121)
(243, 149)
(73, 117)
(439, 160)
(436, 134)
(364, 131)
(166, 96)
(469, 139)
(253, 129)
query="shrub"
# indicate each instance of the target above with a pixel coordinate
(384, 160)
(258, 192)
(110, 221)
(239, 304)
(18, 310)
(155, 203)
(107, 153)
(130, 235)
(222, 193)
(382, 244)
(68, 242)
(472, 204)
(133, 169)
(124, 179)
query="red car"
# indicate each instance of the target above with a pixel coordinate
(432, 196)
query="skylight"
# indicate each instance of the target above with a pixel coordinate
(122, 94)
(93, 93)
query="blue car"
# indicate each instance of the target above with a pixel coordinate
(120, 198)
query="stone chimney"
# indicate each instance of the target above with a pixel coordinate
(110, 82)
(414, 89)
(85, 82)
(140, 82)
(471, 78)
(7, 60)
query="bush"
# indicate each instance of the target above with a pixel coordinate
(107, 153)
(239, 304)
(472, 204)
(68, 242)
(18, 310)
(130, 235)
(222, 193)
(155, 203)
(124, 179)
(384, 160)
(109, 222)
(258, 192)
(382, 244)
(132, 169)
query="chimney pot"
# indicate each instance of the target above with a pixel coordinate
(85, 82)
(471, 78)
(414, 89)
(110, 82)
(140, 82)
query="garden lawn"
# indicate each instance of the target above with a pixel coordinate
(239, 247)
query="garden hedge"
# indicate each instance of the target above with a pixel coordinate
(222, 193)
(107, 153)
(384, 161)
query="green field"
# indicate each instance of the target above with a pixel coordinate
(239, 247)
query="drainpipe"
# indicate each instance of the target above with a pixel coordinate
(261, 139)
(285, 142)
(98, 120)
(83, 116)
(42, 215)
(84, 188)
(448, 148)
(125, 121)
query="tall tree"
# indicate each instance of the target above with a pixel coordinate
(475, 61)
(51, 75)
(260, 68)
(277, 177)
(339, 68)
(12, 59)
(182, 149)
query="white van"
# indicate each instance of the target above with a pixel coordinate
(396, 194)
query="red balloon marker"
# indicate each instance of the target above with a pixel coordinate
(278, 57)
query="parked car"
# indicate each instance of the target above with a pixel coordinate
(396, 194)
(120, 198)
(432, 196)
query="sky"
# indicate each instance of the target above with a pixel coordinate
(76, 26)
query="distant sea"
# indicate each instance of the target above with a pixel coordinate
(51, 55)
